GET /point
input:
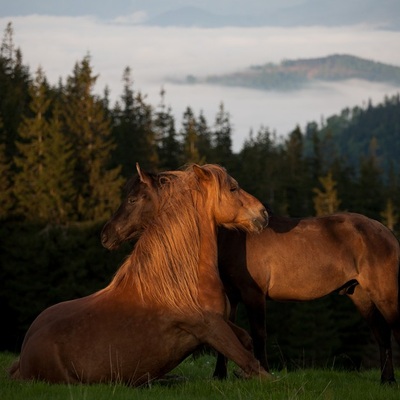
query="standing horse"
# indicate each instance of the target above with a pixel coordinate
(164, 301)
(303, 259)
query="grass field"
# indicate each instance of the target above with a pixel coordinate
(302, 384)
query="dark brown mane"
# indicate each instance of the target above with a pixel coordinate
(164, 264)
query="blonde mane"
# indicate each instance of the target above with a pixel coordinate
(163, 267)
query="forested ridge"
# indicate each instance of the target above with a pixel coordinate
(65, 154)
(297, 74)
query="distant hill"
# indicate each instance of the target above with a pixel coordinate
(297, 74)
(382, 14)
(210, 14)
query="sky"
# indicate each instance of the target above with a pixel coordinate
(154, 54)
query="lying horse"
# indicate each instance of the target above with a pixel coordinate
(163, 302)
(298, 259)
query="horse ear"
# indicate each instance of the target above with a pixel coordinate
(200, 172)
(144, 178)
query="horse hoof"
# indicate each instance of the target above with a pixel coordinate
(264, 375)
(170, 379)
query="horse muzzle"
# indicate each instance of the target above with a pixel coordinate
(261, 222)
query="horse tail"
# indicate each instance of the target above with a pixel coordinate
(14, 371)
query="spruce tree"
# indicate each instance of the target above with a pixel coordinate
(368, 195)
(295, 176)
(14, 98)
(59, 162)
(29, 187)
(259, 168)
(87, 125)
(6, 198)
(43, 180)
(133, 130)
(190, 138)
(326, 200)
(390, 216)
(169, 148)
(146, 137)
(204, 139)
(221, 138)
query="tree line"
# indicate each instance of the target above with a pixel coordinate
(65, 154)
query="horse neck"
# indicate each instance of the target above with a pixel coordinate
(164, 267)
(211, 294)
(208, 244)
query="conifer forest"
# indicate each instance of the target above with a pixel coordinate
(66, 154)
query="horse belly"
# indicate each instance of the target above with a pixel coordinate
(121, 347)
(296, 291)
(297, 281)
(150, 349)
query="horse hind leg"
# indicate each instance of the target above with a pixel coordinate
(215, 331)
(380, 329)
(382, 332)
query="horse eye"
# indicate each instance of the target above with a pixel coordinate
(234, 188)
(131, 200)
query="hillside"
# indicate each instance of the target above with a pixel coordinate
(360, 133)
(297, 74)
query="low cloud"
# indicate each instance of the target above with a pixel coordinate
(154, 54)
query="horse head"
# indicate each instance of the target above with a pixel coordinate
(138, 208)
(233, 206)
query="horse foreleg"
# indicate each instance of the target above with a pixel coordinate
(380, 329)
(221, 366)
(243, 336)
(216, 332)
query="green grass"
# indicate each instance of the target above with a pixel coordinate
(307, 384)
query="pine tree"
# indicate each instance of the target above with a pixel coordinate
(86, 124)
(326, 200)
(43, 182)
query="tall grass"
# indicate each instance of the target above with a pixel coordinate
(308, 384)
